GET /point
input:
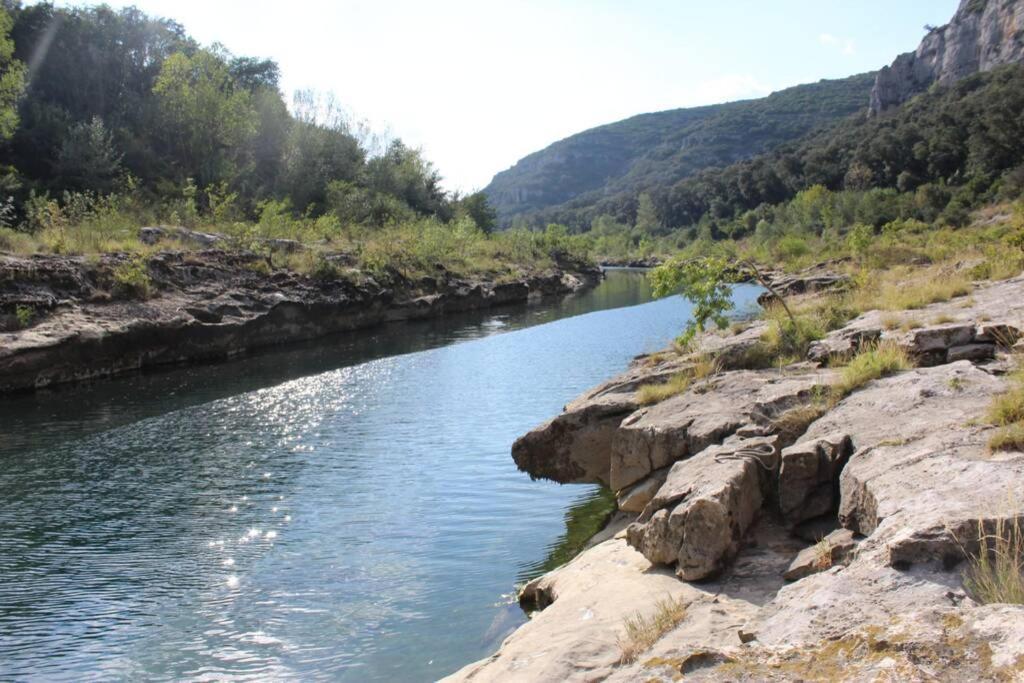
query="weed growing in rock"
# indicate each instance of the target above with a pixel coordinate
(873, 362)
(996, 573)
(642, 632)
(649, 394)
(25, 315)
(823, 554)
(131, 279)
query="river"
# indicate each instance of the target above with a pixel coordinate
(346, 510)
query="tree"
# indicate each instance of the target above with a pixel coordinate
(88, 159)
(647, 221)
(704, 281)
(12, 78)
(480, 210)
(707, 283)
(205, 116)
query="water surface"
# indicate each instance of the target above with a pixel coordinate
(346, 510)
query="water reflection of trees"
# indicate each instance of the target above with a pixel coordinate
(584, 519)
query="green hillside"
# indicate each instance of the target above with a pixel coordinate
(568, 179)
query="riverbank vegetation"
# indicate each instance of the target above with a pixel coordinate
(127, 121)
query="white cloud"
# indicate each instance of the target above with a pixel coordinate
(845, 45)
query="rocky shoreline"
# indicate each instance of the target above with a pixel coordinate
(69, 318)
(802, 540)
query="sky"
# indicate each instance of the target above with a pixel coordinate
(478, 84)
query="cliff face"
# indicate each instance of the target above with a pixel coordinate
(982, 35)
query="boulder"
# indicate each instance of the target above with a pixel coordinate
(809, 476)
(941, 337)
(575, 447)
(707, 504)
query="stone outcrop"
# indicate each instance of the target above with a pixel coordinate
(982, 35)
(827, 540)
(809, 476)
(705, 507)
(64, 318)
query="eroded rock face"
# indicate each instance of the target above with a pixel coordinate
(706, 505)
(883, 598)
(575, 447)
(809, 476)
(921, 477)
(656, 437)
(982, 35)
(207, 305)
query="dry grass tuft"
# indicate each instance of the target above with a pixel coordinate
(996, 573)
(873, 362)
(642, 632)
(823, 554)
(703, 367)
(794, 422)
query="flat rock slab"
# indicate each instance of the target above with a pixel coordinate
(575, 637)
(921, 478)
(983, 644)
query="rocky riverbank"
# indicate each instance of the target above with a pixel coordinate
(68, 318)
(794, 533)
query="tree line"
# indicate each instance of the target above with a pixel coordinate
(115, 99)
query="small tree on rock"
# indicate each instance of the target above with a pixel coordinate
(707, 283)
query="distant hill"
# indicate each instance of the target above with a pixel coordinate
(569, 178)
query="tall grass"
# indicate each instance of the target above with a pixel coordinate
(996, 573)
(904, 288)
(1007, 412)
(873, 362)
(86, 224)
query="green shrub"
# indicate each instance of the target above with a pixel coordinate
(131, 279)
(25, 315)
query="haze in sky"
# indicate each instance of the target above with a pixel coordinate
(479, 84)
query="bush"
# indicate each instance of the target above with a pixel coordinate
(25, 315)
(131, 279)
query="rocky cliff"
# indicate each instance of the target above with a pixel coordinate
(982, 35)
(67, 318)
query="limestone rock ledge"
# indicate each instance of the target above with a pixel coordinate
(213, 305)
(813, 543)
